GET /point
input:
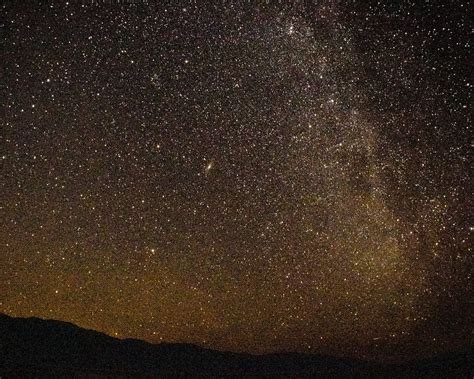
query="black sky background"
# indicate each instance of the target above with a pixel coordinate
(253, 177)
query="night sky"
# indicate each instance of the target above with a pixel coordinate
(246, 177)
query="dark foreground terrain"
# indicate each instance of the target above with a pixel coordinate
(38, 348)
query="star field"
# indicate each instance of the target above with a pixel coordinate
(244, 177)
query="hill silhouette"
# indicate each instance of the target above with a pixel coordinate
(33, 347)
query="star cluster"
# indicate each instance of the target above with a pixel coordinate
(244, 177)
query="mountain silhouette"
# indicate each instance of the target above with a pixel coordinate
(33, 347)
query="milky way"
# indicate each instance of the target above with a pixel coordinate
(243, 177)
